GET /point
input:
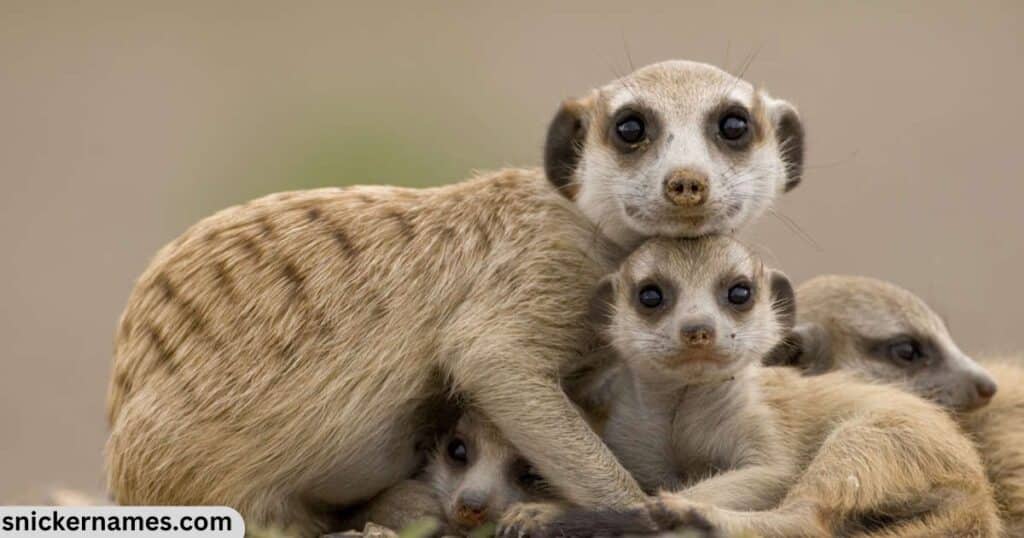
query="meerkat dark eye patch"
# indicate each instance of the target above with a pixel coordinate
(904, 350)
(731, 126)
(738, 294)
(457, 451)
(632, 128)
(650, 296)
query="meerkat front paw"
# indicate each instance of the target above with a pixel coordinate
(524, 520)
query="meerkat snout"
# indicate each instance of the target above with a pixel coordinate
(699, 333)
(687, 188)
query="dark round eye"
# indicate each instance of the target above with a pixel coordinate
(732, 127)
(907, 351)
(650, 296)
(740, 294)
(631, 129)
(457, 451)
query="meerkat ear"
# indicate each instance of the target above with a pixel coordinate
(783, 299)
(789, 132)
(564, 145)
(808, 347)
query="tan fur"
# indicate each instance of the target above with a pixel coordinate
(998, 430)
(283, 357)
(851, 310)
(766, 450)
(851, 323)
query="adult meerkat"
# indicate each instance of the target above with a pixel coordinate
(284, 355)
(883, 333)
(764, 450)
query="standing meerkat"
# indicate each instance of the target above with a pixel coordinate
(284, 356)
(883, 333)
(764, 450)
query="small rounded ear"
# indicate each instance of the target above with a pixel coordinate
(807, 347)
(602, 303)
(564, 145)
(789, 133)
(783, 299)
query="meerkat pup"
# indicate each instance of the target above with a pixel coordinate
(883, 333)
(472, 477)
(764, 450)
(286, 355)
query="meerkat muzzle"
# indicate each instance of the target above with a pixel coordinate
(687, 188)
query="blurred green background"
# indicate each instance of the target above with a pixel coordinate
(121, 123)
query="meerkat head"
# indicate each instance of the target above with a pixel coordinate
(675, 149)
(478, 474)
(694, 310)
(884, 333)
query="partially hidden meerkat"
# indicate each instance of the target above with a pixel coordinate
(473, 475)
(881, 332)
(284, 357)
(763, 450)
(884, 333)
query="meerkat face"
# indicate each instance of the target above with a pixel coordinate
(886, 334)
(695, 310)
(478, 474)
(675, 149)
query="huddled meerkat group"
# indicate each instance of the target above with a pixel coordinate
(582, 350)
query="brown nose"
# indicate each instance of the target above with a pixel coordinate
(471, 512)
(698, 335)
(687, 188)
(986, 388)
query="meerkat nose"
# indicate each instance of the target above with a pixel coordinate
(471, 510)
(985, 387)
(687, 188)
(698, 334)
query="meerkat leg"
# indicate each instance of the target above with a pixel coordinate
(398, 507)
(876, 467)
(906, 477)
(755, 487)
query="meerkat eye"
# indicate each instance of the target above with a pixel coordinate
(740, 294)
(650, 296)
(907, 351)
(733, 127)
(631, 129)
(457, 451)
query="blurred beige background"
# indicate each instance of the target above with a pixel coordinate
(121, 124)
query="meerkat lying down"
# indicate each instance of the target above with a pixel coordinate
(285, 357)
(881, 332)
(763, 450)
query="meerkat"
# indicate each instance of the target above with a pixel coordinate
(473, 475)
(884, 333)
(285, 355)
(764, 450)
